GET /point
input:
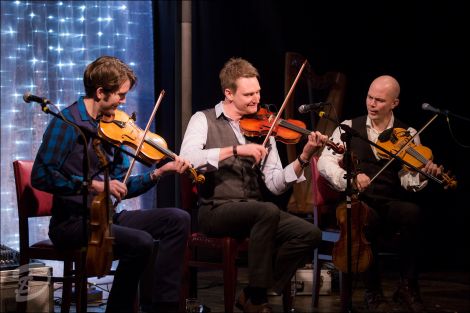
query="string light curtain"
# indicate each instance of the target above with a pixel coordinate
(45, 47)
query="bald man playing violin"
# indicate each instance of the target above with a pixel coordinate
(231, 202)
(389, 196)
(58, 169)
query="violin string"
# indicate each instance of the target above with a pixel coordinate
(417, 155)
(424, 160)
(294, 127)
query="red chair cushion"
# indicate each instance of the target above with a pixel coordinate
(37, 202)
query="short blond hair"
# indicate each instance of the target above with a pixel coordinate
(234, 69)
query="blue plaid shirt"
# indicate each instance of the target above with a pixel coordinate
(58, 141)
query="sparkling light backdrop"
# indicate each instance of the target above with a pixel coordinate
(45, 47)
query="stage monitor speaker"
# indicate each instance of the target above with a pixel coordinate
(40, 289)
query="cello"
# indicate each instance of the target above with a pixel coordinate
(352, 244)
(99, 256)
(361, 252)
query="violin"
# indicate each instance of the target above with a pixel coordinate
(361, 252)
(393, 139)
(120, 128)
(287, 131)
(99, 256)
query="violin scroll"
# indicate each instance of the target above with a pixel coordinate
(196, 177)
(449, 181)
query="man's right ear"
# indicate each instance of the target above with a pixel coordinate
(99, 94)
(228, 94)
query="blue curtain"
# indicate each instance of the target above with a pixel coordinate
(46, 46)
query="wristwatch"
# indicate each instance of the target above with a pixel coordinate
(303, 164)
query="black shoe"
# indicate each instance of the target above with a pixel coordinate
(376, 302)
(410, 297)
(166, 307)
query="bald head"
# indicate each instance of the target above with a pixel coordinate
(388, 84)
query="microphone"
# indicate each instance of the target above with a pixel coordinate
(428, 107)
(305, 108)
(28, 97)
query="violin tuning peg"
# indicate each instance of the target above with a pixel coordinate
(133, 116)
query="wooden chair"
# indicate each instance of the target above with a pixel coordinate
(230, 248)
(34, 203)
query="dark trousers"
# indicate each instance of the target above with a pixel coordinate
(134, 233)
(276, 237)
(387, 217)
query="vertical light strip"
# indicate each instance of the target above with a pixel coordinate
(46, 46)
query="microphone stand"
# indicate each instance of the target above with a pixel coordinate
(346, 300)
(447, 113)
(346, 136)
(85, 184)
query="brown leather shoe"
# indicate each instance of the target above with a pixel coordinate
(244, 304)
(241, 300)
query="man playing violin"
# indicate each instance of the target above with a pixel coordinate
(389, 196)
(231, 202)
(58, 169)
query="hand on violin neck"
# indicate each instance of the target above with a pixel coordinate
(315, 142)
(178, 165)
(432, 169)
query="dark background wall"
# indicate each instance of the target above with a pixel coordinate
(423, 45)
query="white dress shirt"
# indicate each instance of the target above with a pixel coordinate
(277, 178)
(329, 168)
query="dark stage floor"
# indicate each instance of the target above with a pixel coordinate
(441, 292)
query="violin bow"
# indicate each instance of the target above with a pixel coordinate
(141, 143)
(276, 119)
(404, 147)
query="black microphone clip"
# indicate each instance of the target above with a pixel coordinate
(28, 97)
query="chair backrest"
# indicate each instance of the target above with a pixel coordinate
(189, 198)
(31, 201)
(322, 192)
